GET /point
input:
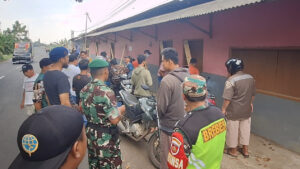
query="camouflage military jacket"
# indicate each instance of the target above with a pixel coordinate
(116, 71)
(98, 103)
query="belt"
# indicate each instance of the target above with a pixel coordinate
(114, 131)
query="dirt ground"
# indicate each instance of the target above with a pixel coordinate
(263, 155)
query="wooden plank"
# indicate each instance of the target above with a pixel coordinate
(187, 51)
(161, 47)
(122, 55)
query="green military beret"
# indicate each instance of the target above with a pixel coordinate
(98, 63)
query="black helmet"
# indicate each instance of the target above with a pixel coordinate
(234, 65)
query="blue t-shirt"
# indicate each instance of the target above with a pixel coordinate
(130, 67)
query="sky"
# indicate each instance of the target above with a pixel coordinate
(53, 20)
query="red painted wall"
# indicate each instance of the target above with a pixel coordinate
(264, 25)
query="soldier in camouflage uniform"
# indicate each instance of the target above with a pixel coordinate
(100, 107)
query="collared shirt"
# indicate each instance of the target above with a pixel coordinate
(239, 89)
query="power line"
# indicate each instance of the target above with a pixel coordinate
(119, 9)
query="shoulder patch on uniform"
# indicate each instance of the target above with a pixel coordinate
(228, 85)
(177, 158)
(175, 145)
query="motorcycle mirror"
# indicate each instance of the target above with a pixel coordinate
(123, 76)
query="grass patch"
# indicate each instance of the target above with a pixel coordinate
(5, 57)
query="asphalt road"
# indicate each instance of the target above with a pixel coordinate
(134, 154)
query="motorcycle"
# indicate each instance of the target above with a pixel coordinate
(126, 83)
(121, 82)
(140, 120)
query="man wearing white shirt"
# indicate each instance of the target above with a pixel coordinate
(102, 56)
(29, 79)
(72, 71)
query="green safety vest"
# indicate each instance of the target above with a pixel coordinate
(205, 132)
(208, 151)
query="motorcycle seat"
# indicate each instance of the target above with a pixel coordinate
(129, 99)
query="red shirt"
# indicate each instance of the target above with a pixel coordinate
(193, 70)
(135, 64)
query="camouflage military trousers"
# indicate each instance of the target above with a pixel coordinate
(103, 151)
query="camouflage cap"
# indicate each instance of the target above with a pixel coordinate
(194, 86)
(98, 63)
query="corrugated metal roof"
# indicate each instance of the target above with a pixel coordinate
(202, 9)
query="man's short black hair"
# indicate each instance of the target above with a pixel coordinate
(85, 52)
(97, 71)
(141, 59)
(113, 62)
(147, 52)
(84, 64)
(73, 57)
(103, 54)
(170, 54)
(193, 60)
(45, 62)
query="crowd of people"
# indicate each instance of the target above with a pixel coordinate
(72, 107)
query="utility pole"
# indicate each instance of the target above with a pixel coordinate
(72, 36)
(86, 18)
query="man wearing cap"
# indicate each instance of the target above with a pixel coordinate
(56, 83)
(30, 77)
(39, 98)
(53, 138)
(100, 107)
(199, 138)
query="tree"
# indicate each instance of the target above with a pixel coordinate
(10, 36)
(20, 32)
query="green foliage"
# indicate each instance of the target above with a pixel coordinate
(5, 57)
(10, 36)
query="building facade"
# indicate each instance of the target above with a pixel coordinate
(265, 34)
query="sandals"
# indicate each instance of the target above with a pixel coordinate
(243, 153)
(228, 153)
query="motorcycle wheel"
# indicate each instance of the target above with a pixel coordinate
(154, 150)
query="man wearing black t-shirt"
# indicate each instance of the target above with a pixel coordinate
(56, 83)
(82, 79)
